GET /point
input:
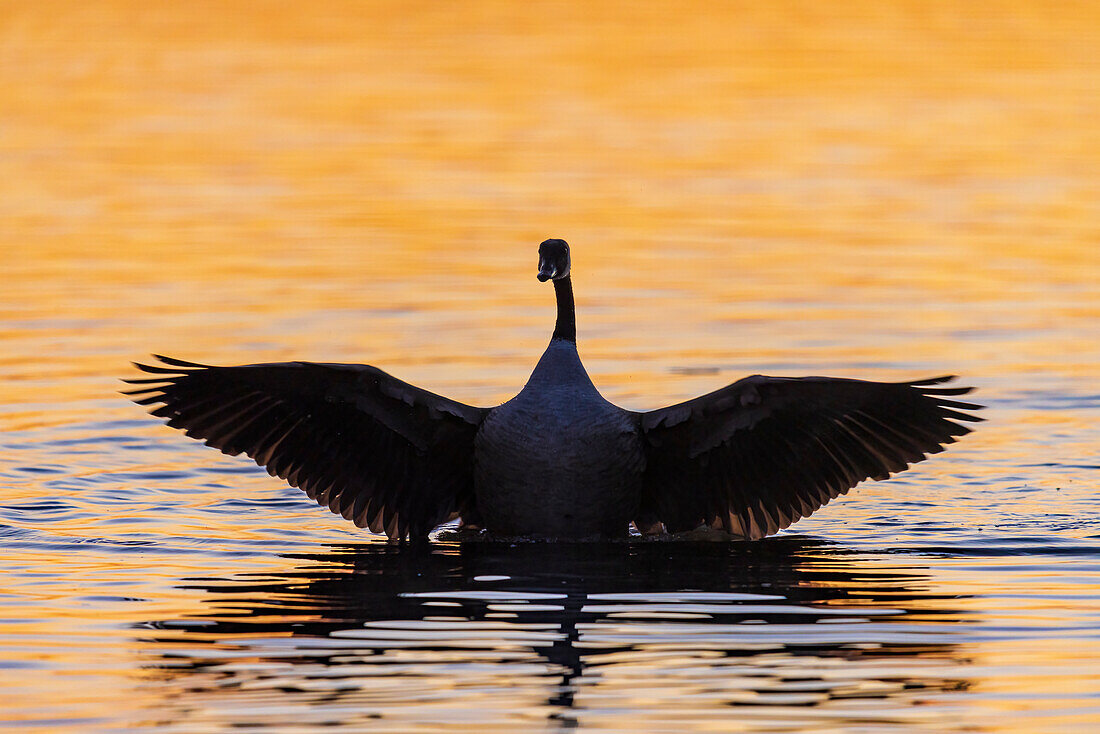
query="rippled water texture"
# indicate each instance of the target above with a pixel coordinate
(866, 189)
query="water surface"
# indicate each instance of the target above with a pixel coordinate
(885, 191)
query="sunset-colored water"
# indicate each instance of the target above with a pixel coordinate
(868, 189)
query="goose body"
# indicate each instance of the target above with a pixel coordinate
(557, 460)
(582, 455)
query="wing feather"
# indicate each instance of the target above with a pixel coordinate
(378, 451)
(764, 452)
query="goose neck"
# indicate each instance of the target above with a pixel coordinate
(566, 326)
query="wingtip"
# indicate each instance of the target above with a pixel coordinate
(155, 369)
(174, 366)
(958, 404)
(178, 362)
(933, 381)
(939, 394)
(947, 390)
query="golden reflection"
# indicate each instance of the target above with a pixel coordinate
(192, 179)
(878, 190)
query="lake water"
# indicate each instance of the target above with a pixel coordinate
(885, 191)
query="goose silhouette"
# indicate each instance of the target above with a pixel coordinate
(557, 460)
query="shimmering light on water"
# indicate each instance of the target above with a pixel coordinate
(880, 190)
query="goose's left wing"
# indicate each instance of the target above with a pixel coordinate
(382, 453)
(763, 452)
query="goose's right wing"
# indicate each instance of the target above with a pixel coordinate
(763, 452)
(382, 453)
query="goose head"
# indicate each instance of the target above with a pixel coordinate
(553, 260)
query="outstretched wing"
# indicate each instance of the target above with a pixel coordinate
(382, 453)
(757, 455)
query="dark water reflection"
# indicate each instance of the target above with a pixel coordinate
(507, 635)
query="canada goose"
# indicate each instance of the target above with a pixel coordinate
(557, 460)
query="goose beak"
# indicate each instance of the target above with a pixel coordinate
(546, 271)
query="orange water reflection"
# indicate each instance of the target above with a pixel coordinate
(874, 190)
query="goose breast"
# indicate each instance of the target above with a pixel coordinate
(558, 461)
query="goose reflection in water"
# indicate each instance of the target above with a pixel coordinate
(558, 460)
(501, 635)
